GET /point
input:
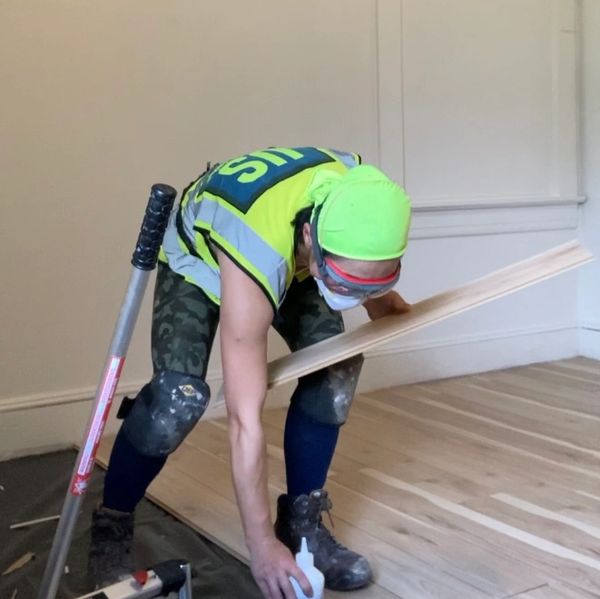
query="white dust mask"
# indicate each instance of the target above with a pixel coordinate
(336, 301)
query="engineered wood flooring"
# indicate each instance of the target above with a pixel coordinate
(466, 488)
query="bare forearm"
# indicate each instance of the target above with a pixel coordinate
(249, 465)
(246, 315)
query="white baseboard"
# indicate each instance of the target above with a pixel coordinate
(58, 398)
(589, 340)
(37, 423)
(443, 358)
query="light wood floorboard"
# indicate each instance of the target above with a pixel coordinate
(467, 488)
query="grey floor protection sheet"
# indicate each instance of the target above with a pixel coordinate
(35, 486)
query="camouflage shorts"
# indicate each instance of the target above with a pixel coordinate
(185, 322)
(305, 319)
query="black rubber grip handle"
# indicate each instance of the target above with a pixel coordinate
(153, 228)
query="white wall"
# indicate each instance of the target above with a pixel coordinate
(470, 104)
(479, 120)
(102, 99)
(590, 115)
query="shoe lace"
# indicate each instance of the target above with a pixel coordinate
(327, 539)
(326, 506)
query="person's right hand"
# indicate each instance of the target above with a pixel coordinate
(272, 564)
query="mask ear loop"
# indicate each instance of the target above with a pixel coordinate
(317, 252)
(320, 188)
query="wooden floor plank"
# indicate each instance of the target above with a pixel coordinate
(539, 552)
(541, 390)
(563, 424)
(555, 591)
(550, 377)
(569, 372)
(535, 442)
(428, 311)
(409, 432)
(570, 534)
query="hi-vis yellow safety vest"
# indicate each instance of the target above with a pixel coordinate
(246, 208)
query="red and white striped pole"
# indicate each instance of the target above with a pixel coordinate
(144, 260)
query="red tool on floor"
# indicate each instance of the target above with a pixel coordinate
(161, 580)
(144, 260)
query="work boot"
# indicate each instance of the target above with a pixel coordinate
(110, 558)
(298, 517)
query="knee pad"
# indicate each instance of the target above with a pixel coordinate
(165, 411)
(326, 395)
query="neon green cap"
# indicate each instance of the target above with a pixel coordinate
(364, 214)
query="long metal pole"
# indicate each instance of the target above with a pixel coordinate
(144, 260)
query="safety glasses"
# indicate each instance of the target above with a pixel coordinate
(342, 282)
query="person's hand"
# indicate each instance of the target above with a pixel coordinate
(386, 305)
(272, 564)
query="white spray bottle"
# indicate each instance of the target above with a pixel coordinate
(306, 562)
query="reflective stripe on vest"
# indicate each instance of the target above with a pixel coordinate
(346, 158)
(208, 217)
(227, 232)
(187, 265)
(230, 232)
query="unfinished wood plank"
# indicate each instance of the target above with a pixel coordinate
(406, 427)
(562, 501)
(568, 373)
(358, 501)
(559, 380)
(538, 523)
(548, 514)
(488, 434)
(516, 403)
(547, 555)
(424, 313)
(539, 389)
(353, 452)
(473, 551)
(556, 590)
(567, 436)
(581, 365)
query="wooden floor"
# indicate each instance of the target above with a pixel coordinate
(473, 487)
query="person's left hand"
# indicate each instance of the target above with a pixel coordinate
(386, 305)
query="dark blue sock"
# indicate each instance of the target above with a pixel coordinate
(308, 448)
(129, 475)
